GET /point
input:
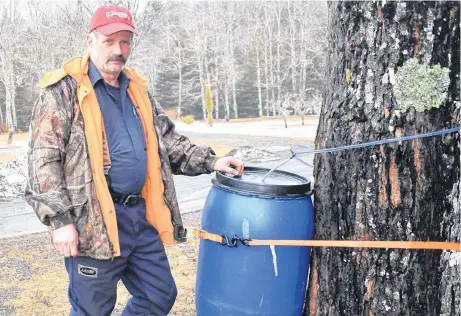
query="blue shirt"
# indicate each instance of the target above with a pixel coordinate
(125, 134)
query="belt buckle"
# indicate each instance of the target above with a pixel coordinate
(131, 200)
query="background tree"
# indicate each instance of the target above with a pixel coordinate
(303, 105)
(250, 54)
(402, 191)
(209, 105)
(11, 70)
(287, 104)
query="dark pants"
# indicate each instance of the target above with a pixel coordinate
(143, 268)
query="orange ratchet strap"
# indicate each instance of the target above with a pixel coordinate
(430, 245)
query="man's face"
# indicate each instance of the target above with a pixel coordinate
(110, 53)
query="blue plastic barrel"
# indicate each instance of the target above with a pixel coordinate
(255, 280)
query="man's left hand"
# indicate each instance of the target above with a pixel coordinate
(229, 165)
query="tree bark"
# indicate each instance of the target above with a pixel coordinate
(202, 85)
(292, 33)
(217, 89)
(234, 93)
(400, 191)
(226, 100)
(13, 100)
(179, 64)
(9, 83)
(279, 43)
(271, 63)
(274, 102)
(2, 122)
(258, 82)
(208, 80)
(266, 77)
(233, 76)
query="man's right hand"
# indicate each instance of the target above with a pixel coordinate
(65, 240)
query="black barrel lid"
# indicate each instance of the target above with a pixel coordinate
(278, 183)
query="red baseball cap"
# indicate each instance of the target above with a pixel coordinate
(110, 19)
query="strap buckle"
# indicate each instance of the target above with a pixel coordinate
(131, 200)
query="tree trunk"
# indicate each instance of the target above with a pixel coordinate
(233, 75)
(303, 65)
(12, 88)
(2, 122)
(13, 99)
(292, 32)
(179, 108)
(279, 43)
(234, 95)
(207, 72)
(271, 68)
(216, 102)
(400, 191)
(266, 77)
(208, 82)
(274, 105)
(202, 88)
(226, 100)
(8, 80)
(9, 99)
(258, 79)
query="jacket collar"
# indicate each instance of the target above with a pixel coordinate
(77, 67)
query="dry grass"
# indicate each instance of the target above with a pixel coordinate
(19, 136)
(219, 149)
(266, 118)
(6, 154)
(6, 157)
(34, 280)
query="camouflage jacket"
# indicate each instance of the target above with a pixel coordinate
(60, 185)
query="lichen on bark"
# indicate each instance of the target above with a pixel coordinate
(420, 86)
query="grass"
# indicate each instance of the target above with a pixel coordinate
(19, 136)
(5, 155)
(219, 149)
(34, 280)
(265, 118)
(290, 118)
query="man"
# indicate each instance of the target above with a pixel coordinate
(101, 160)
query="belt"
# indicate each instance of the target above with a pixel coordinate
(125, 199)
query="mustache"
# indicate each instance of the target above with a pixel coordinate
(116, 58)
